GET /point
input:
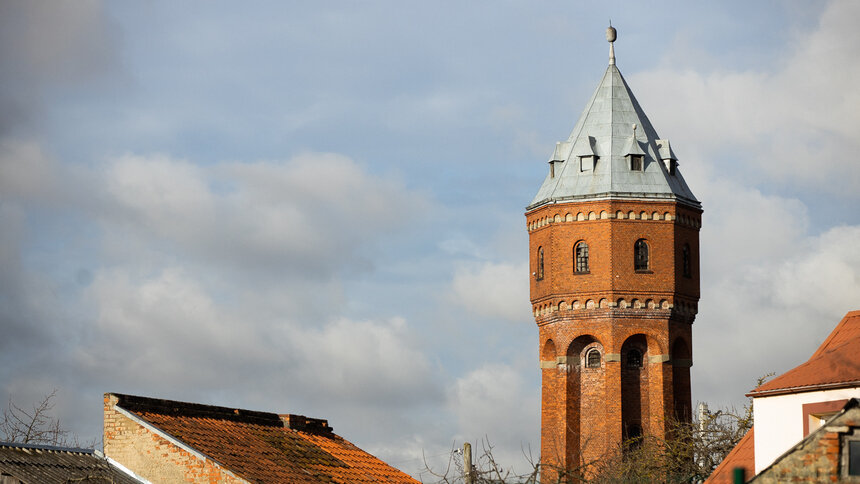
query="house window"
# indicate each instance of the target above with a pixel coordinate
(816, 414)
(581, 257)
(592, 358)
(634, 359)
(640, 255)
(539, 272)
(636, 162)
(854, 457)
(685, 260)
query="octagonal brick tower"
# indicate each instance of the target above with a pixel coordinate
(614, 262)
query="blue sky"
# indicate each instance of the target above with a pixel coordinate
(317, 208)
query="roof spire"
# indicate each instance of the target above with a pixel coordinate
(611, 35)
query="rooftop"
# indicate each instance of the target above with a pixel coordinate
(742, 455)
(612, 127)
(262, 446)
(835, 364)
(39, 464)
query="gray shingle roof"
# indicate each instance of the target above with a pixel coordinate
(40, 464)
(605, 129)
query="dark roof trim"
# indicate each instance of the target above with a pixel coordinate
(803, 389)
(74, 450)
(619, 196)
(140, 405)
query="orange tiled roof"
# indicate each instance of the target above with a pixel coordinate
(265, 447)
(743, 455)
(836, 363)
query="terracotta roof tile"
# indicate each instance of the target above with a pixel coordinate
(743, 455)
(836, 363)
(261, 447)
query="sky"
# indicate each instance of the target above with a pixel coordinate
(317, 207)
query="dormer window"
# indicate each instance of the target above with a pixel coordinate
(668, 157)
(633, 152)
(671, 166)
(586, 163)
(552, 164)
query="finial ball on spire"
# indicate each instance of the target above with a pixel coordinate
(611, 34)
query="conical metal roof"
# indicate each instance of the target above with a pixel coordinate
(606, 130)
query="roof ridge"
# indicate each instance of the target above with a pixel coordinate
(139, 404)
(834, 332)
(52, 448)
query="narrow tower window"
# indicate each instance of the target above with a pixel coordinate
(640, 255)
(592, 358)
(685, 260)
(539, 272)
(581, 256)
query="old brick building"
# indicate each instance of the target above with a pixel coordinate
(614, 242)
(170, 441)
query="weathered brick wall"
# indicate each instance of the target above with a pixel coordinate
(153, 457)
(613, 307)
(817, 461)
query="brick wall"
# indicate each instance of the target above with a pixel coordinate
(587, 412)
(153, 457)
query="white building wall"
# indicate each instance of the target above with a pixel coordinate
(779, 421)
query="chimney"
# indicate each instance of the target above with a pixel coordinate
(305, 424)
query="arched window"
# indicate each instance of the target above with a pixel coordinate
(640, 255)
(592, 358)
(580, 252)
(634, 358)
(539, 272)
(685, 260)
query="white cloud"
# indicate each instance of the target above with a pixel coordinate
(494, 403)
(27, 173)
(796, 124)
(311, 214)
(769, 313)
(493, 290)
(367, 362)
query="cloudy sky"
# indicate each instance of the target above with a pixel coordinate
(317, 208)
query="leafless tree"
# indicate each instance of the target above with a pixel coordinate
(689, 453)
(32, 426)
(36, 425)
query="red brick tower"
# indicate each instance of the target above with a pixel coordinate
(614, 257)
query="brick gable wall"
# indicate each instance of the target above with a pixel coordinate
(153, 457)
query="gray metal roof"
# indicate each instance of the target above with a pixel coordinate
(42, 464)
(605, 129)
